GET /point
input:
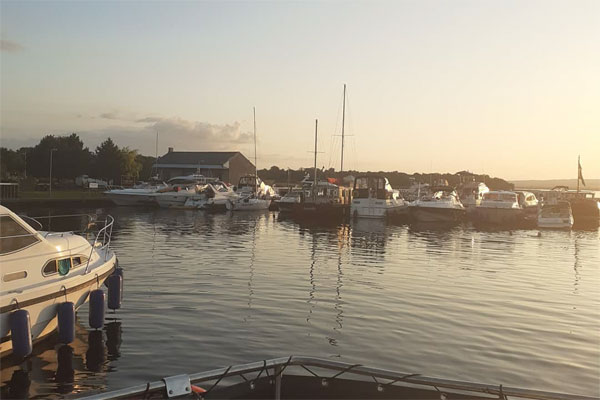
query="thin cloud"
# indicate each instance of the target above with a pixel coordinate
(109, 115)
(181, 134)
(10, 46)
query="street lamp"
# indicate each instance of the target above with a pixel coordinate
(51, 151)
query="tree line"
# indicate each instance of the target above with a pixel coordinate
(70, 159)
(397, 179)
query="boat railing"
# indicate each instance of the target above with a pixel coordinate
(274, 368)
(102, 240)
(91, 221)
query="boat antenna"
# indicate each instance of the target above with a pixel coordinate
(315, 177)
(343, 123)
(255, 166)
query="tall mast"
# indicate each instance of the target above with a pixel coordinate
(578, 171)
(343, 122)
(315, 177)
(255, 166)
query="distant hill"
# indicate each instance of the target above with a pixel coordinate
(591, 184)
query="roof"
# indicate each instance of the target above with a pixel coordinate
(196, 157)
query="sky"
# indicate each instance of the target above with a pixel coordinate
(506, 88)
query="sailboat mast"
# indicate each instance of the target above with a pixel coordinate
(255, 166)
(343, 123)
(315, 177)
(578, 171)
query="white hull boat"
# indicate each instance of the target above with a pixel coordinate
(500, 208)
(132, 197)
(442, 206)
(373, 197)
(555, 216)
(59, 267)
(175, 199)
(249, 204)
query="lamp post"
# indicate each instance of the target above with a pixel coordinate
(51, 151)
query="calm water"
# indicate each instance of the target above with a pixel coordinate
(206, 291)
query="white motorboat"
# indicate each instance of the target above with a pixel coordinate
(180, 189)
(555, 216)
(213, 195)
(140, 195)
(443, 205)
(42, 269)
(374, 197)
(500, 208)
(249, 203)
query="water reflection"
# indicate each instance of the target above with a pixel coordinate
(63, 368)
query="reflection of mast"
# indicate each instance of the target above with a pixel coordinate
(576, 265)
(338, 297)
(251, 278)
(311, 292)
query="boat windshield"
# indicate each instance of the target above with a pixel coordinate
(14, 236)
(495, 196)
(371, 186)
(246, 181)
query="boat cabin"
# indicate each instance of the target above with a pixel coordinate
(374, 187)
(500, 199)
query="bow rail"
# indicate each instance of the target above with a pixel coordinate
(278, 365)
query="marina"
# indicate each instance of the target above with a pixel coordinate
(299, 200)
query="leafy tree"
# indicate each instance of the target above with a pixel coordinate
(146, 162)
(129, 163)
(70, 159)
(12, 163)
(108, 161)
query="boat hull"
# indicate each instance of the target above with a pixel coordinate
(376, 208)
(146, 199)
(499, 216)
(436, 214)
(249, 205)
(42, 303)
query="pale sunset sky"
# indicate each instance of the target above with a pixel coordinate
(506, 88)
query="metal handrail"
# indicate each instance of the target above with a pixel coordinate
(106, 233)
(279, 364)
(32, 219)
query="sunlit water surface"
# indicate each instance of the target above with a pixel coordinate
(206, 291)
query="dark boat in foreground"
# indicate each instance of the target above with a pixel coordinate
(314, 378)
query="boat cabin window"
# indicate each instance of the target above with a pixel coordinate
(62, 266)
(78, 260)
(13, 236)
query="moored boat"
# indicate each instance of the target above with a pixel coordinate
(374, 197)
(443, 205)
(500, 208)
(139, 195)
(315, 378)
(42, 269)
(555, 216)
